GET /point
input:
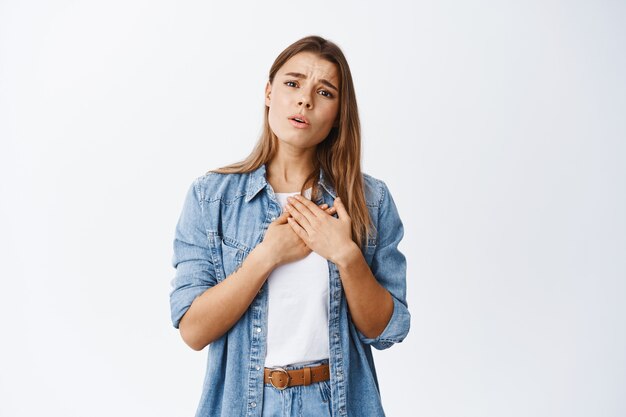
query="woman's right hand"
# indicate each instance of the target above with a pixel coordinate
(217, 309)
(282, 244)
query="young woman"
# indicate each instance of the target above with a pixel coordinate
(287, 263)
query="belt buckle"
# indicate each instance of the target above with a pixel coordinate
(272, 370)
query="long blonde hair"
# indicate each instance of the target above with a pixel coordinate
(338, 155)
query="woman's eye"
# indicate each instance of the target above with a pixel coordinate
(326, 93)
(288, 83)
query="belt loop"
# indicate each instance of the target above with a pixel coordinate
(307, 376)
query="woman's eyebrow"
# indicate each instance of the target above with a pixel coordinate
(323, 81)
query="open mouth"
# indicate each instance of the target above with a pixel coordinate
(299, 120)
(298, 123)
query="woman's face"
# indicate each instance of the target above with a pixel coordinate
(306, 87)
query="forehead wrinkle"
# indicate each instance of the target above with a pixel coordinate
(322, 80)
(308, 65)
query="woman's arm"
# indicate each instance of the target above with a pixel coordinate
(215, 311)
(371, 305)
(219, 307)
(376, 294)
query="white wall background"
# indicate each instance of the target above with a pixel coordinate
(498, 126)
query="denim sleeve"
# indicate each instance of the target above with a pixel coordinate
(389, 267)
(192, 256)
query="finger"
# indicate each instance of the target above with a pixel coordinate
(298, 216)
(303, 208)
(323, 206)
(311, 206)
(331, 210)
(299, 230)
(341, 209)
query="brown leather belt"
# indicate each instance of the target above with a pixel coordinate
(281, 378)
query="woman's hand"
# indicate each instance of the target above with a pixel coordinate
(281, 242)
(330, 237)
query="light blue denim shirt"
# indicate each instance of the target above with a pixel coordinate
(224, 217)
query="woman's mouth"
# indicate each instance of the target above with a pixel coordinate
(299, 121)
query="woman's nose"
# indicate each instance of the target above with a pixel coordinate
(306, 102)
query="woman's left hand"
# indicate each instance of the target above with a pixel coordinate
(330, 237)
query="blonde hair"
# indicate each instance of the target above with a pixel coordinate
(338, 155)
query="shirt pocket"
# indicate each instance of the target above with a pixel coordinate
(233, 253)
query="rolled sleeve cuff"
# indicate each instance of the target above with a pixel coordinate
(396, 330)
(181, 299)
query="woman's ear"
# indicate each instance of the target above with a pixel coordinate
(268, 90)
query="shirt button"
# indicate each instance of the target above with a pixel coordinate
(258, 330)
(273, 218)
(252, 405)
(258, 368)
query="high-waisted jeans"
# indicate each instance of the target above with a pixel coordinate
(299, 401)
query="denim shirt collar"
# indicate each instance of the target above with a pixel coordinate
(257, 181)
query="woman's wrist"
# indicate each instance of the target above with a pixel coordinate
(266, 256)
(349, 254)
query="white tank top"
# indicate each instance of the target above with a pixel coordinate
(297, 327)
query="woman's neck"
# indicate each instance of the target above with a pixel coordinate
(288, 173)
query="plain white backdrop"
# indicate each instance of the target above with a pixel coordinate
(498, 126)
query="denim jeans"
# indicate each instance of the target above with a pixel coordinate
(298, 401)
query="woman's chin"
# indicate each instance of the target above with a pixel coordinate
(297, 141)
